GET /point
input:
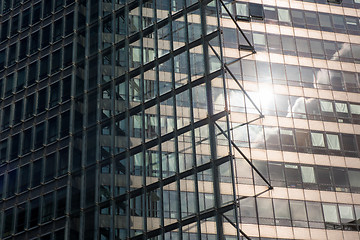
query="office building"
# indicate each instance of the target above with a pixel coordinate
(182, 119)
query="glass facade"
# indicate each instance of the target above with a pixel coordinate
(182, 119)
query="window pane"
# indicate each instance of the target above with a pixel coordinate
(284, 15)
(333, 141)
(298, 210)
(317, 140)
(314, 212)
(308, 174)
(354, 177)
(330, 213)
(346, 214)
(265, 208)
(281, 208)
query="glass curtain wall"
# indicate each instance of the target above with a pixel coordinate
(148, 156)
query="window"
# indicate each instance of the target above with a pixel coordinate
(298, 18)
(41, 102)
(39, 135)
(348, 142)
(282, 212)
(60, 202)
(58, 4)
(36, 173)
(4, 30)
(271, 14)
(6, 117)
(56, 61)
(47, 207)
(15, 146)
(293, 177)
(34, 46)
(44, 67)
(265, 211)
(63, 162)
(12, 55)
(9, 85)
(341, 179)
(24, 178)
(36, 13)
(20, 79)
(47, 8)
(58, 30)
(52, 129)
(303, 142)
(333, 141)
(27, 141)
(34, 212)
(317, 49)
(256, 10)
(284, 16)
(354, 178)
(298, 213)
(8, 222)
(347, 215)
(325, 21)
(308, 174)
(248, 210)
(272, 138)
(18, 111)
(25, 19)
(242, 11)
(317, 139)
(315, 215)
(67, 55)
(12, 183)
(324, 178)
(288, 44)
(312, 21)
(2, 59)
(15, 24)
(54, 94)
(3, 150)
(21, 218)
(287, 139)
(330, 214)
(46, 36)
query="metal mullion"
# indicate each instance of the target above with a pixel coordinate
(98, 126)
(127, 122)
(236, 225)
(175, 136)
(71, 126)
(113, 141)
(83, 134)
(144, 205)
(212, 136)
(157, 89)
(193, 143)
